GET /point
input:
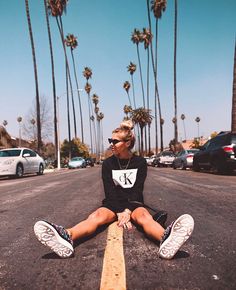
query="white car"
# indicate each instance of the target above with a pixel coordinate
(20, 161)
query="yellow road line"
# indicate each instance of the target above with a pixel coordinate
(113, 272)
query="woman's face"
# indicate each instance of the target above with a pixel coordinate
(119, 148)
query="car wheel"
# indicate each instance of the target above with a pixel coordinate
(41, 169)
(196, 166)
(174, 167)
(182, 167)
(19, 171)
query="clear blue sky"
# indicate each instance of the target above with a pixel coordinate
(206, 37)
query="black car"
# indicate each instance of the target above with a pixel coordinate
(89, 161)
(217, 154)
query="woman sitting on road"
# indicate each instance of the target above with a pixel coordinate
(123, 177)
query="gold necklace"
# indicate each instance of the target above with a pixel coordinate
(124, 167)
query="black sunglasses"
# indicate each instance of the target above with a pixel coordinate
(114, 141)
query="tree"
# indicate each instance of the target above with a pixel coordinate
(142, 117)
(71, 41)
(87, 73)
(56, 8)
(19, 120)
(158, 6)
(53, 80)
(136, 38)
(131, 69)
(233, 120)
(175, 88)
(77, 148)
(127, 110)
(126, 86)
(4, 123)
(39, 143)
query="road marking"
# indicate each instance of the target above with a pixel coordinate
(113, 272)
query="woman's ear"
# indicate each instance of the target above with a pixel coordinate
(127, 144)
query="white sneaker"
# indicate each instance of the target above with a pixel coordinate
(175, 236)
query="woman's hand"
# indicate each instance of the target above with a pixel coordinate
(124, 219)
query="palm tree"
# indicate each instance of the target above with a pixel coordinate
(131, 69)
(126, 86)
(183, 118)
(175, 89)
(95, 100)
(32, 121)
(71, 41)
(198, 120)
(127, 110)
(136, 38)
(233, 121)
(158, 6)
(142, 117)
(147, 39)
(87, 73)
(100, 116)
(56, 8)
(39, 143)
(53, 81)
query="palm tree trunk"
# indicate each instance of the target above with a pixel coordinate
(132, 81)
(175, 90)
(233, 122)
(35, 77)
(53, 81)
(148, 105)
(141, 151)
(157, 97)
(90, 126)
(79, 98)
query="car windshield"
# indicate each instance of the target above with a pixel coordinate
(10, 153)
(76, 159)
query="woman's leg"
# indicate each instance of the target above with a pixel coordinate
(100, 217)
(143, 218)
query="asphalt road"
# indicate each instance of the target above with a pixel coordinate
(206, 261)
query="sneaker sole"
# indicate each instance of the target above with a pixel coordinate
(48, 236)
(180, 233)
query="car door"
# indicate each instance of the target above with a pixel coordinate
(34, 161)
(26, 161)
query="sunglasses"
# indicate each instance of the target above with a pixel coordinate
(114, 141)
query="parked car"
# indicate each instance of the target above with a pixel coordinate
(77, 162)
(217, 154)
(184, 159)
(150, 159)
(20, 161)
(164, 158)
(89, 161)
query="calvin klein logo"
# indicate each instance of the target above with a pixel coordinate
(125, 178)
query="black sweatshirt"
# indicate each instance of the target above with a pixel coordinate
(122, 186)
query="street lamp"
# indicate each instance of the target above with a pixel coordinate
(19, 120)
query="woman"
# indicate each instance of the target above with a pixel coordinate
(123, 177)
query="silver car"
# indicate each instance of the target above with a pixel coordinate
(184, 159)
(20, 161)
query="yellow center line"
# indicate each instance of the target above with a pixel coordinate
(113, 271)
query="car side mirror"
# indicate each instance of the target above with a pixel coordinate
(26, 155)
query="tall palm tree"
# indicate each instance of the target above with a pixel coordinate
(136, 38)
(131, 69)
(198, 120)
(100, 116)
(19, 120)
(127, 110)
(95, 100)
(147, 39)
(53, 81)
(233, 121)
(183, 118)
(71, 41)
(87, 73)
(175, 88)
(56, 8)
(158, 6)
(126, 86)
(142, 117)
(39, 143)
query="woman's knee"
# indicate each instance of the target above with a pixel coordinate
(141, 216)
(101, 216)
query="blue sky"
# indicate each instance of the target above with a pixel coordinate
(206, 37)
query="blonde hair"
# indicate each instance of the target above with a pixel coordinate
(126, 128)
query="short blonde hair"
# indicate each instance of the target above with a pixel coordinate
(126, 128)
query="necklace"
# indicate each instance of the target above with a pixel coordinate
(123, 167)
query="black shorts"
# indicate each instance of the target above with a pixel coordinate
(115, 209)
